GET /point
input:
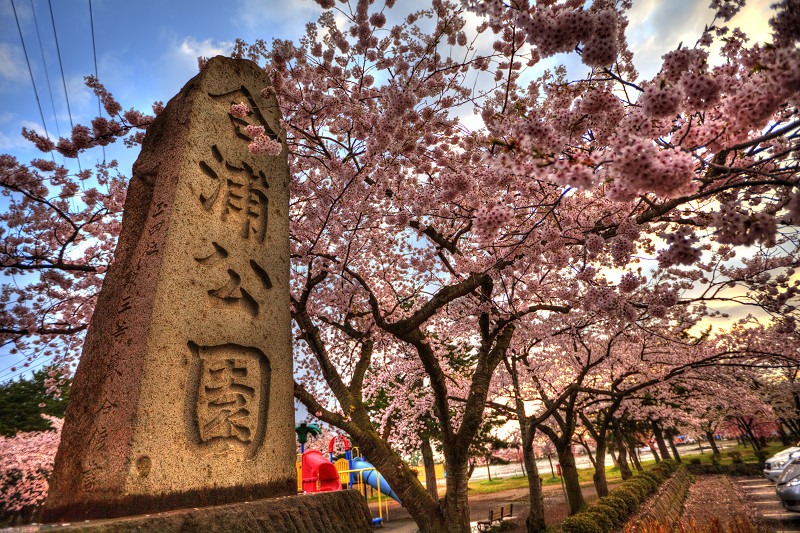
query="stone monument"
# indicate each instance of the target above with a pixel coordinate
(183, 396)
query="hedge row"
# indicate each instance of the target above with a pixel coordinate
(611, 512)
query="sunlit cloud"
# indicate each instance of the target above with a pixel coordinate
(180, 60)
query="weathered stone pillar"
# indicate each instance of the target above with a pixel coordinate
(183, 396)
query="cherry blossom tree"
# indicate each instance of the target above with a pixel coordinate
(416, 240)
(26, 461)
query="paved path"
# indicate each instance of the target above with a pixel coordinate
(555, 507)
(760, 493)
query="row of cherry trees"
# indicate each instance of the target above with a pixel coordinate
(562, 254)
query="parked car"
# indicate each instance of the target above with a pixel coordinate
(775, 464)
(788, 487)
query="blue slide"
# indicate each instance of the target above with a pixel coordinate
(370, 477)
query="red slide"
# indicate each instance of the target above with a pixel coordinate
(319, 474)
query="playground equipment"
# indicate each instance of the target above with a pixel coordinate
(319, 474)
(303, 431)
(360, 470)
(367, 474)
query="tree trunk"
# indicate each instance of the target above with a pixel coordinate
(535, 521)
(488, 469)
(674, 449)
(635, 457)
(712, 442)
(599, 477)
(570, 475)
(455, 506)
(471, 468)
(612, 451)
(622, 461)
(654, 452)
(428, 514)
(552, 471)
(784, 436)
(430, 468)
(659, 435)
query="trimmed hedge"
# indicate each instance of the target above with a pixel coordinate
(582, 522)
(617, 516)
(612, 511)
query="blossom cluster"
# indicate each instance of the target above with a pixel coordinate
(26, 461)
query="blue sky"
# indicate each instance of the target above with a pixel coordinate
(146, 51)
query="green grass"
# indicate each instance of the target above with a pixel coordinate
(496, 485)
(612, 473)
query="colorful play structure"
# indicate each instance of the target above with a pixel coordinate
(320, 474)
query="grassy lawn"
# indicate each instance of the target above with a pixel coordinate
(612, 473)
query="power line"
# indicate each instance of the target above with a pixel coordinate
(61, 66)
(30, 71)
(19, 371)
(94, 53)
(46, 72)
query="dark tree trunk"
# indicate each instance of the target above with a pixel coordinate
(535, 521)
(552, 471)
(654, 452)
(429, 516)
(624, 470)
(471, 467)
(589, 453)
(612, 451)
(785, 440)
(488, 469)
(712, 442)
(793, 425)
(747, 429)
(659, 435)
(569, 473)
(430, 468)
(635, 456)
(674, 449)
(455, 505)
(599, 477)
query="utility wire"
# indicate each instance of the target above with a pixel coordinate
(63, 78)
(30, 71)
(19, 371)
(46, 72)
(94, 53)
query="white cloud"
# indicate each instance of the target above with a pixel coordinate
(10, 139)
(35, 126)
(9, 142)
(179, 62)
(12, 63)
(658, 26)
(192, 49)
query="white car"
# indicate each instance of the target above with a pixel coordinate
(775, 464)
(788, 487)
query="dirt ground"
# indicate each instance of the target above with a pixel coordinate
(555, 507)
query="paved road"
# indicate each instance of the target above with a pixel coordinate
(761, 493)
(581, 461)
